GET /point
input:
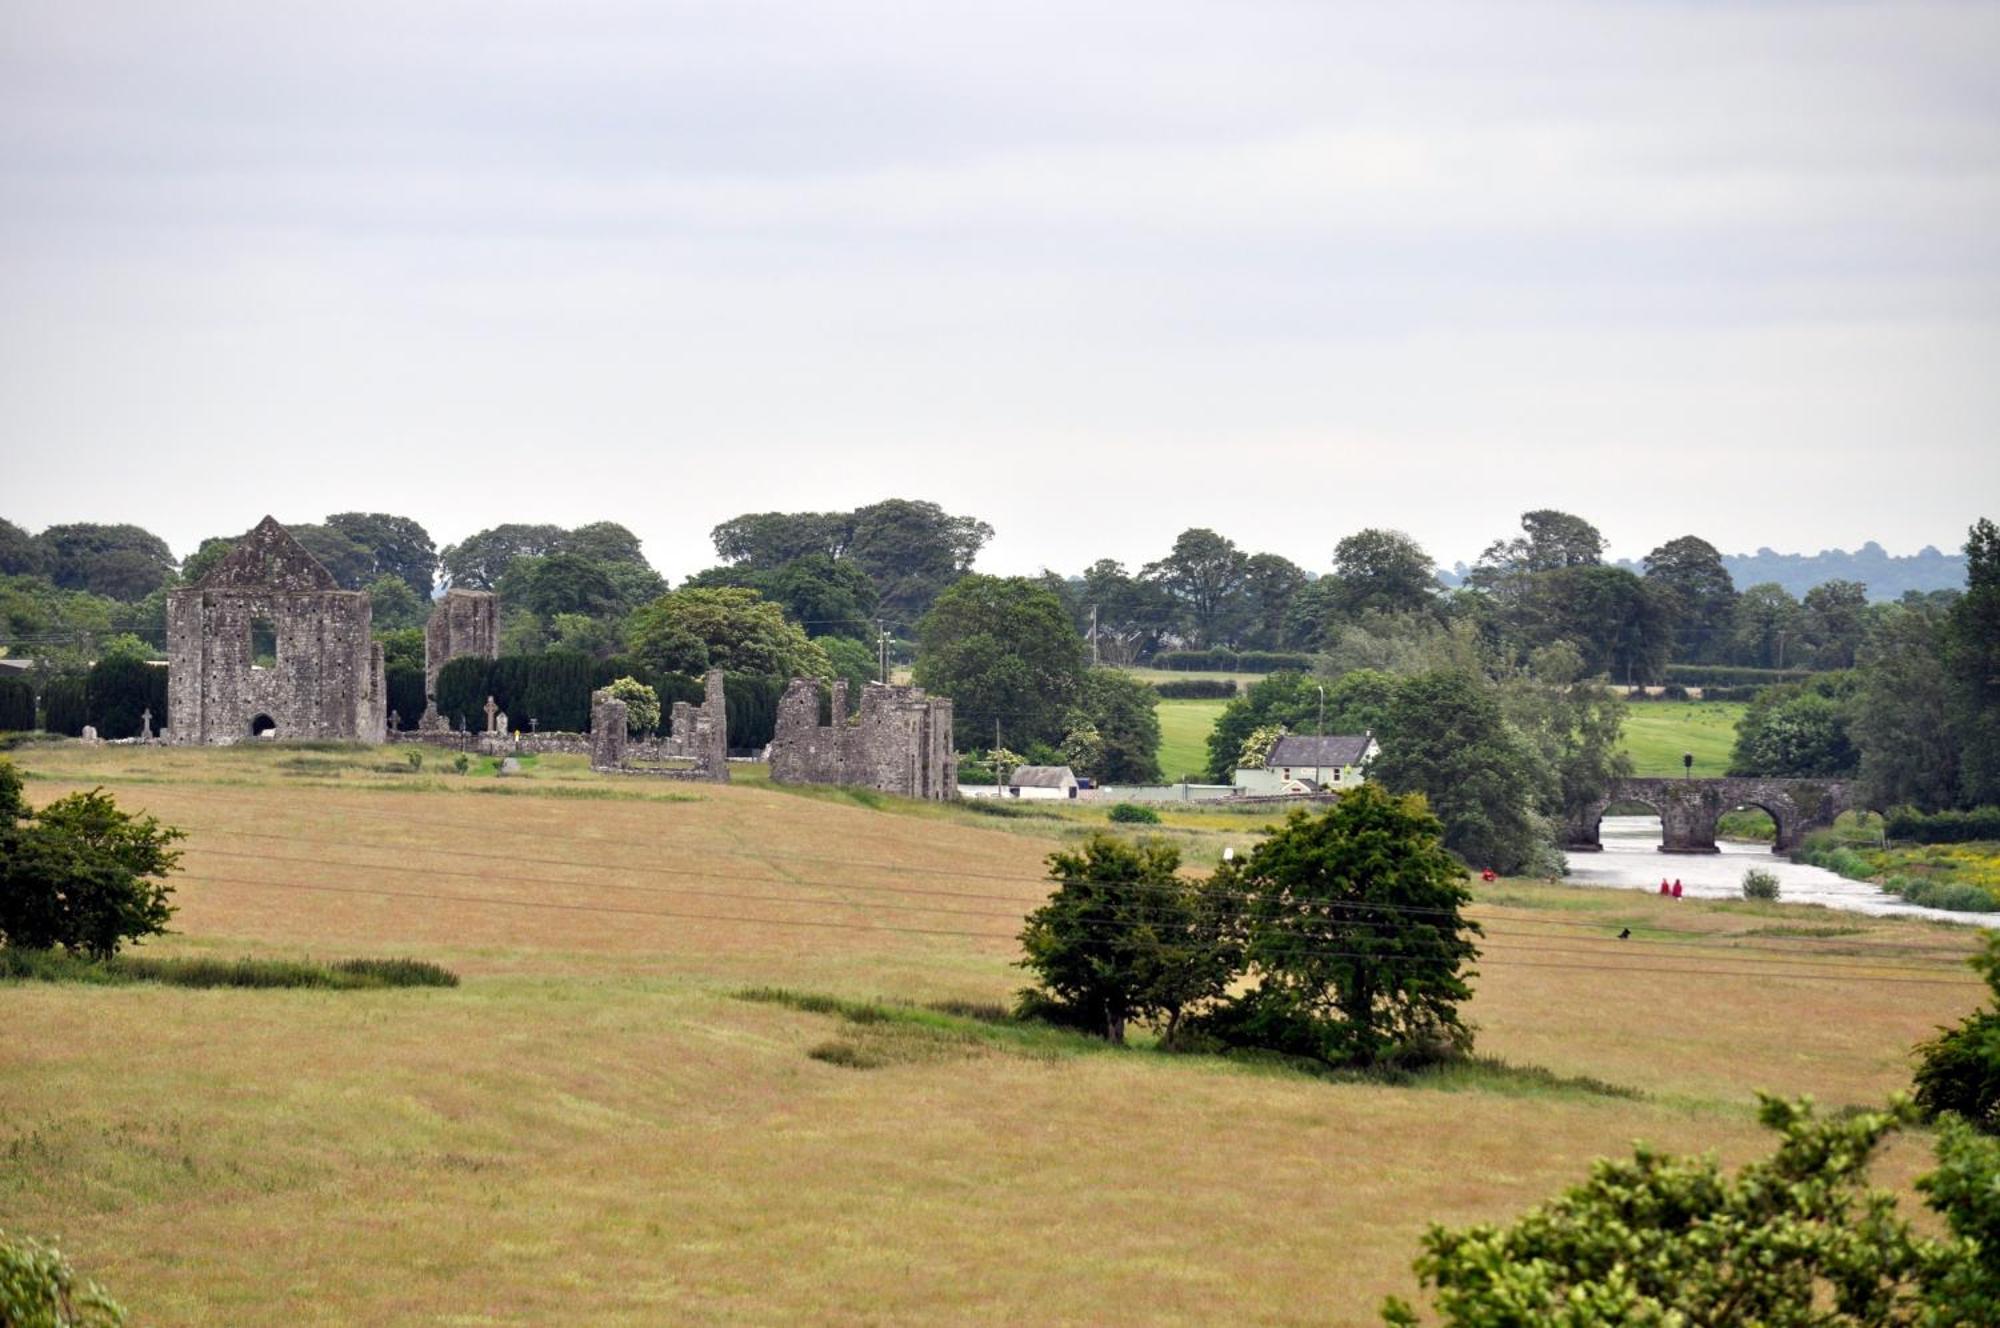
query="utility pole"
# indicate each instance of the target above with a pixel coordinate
(882, 644)
(998, 791)
(1319, 746)
(1093, 636)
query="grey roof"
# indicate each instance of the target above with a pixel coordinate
(1333, 751)
(1042, 776)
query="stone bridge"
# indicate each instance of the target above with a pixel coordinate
(1689, 809)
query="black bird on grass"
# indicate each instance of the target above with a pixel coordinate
(1625, 934)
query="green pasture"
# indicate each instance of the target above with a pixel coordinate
(1184, 730)
(1658, 732)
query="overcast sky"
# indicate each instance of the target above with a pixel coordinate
(1094, 273)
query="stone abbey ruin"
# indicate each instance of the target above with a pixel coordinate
(268, 645)
(900, 742)
(325, 679)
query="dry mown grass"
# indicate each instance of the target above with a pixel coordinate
(592, 1128)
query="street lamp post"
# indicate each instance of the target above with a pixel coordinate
(1319, 741)
(1687, 764)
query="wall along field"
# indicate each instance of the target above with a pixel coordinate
(595, 1128)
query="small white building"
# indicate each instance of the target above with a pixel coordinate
(1301, 763)
(1042, 781)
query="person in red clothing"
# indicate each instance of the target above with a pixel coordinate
(1487, 875)
(1677, 887)
(1665, 889)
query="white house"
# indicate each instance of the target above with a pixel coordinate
(1042, 781)
(1301, 763)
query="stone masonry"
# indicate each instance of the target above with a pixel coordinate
(1690, 808)
(700, 734)
(900, 742)
(326, 680)
(464, 622)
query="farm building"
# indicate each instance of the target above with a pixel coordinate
(1043, 781)
(1301, 763)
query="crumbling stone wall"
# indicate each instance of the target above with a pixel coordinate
(464, 622)
(700, 734)
(900, 742)
(327, 679)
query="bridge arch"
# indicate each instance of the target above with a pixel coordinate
(1690, 808)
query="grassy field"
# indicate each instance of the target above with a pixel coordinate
(595, 1126)
(1658, 732)
(1184, 730)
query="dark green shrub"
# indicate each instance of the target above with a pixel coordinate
(1959, 1069)
(21, 963)
(406, 694)
(1760, 884)
(753, 708)
(462, 688)
(1196, 689)
(1948, 827)
(1706, 676)
(1231, 661)
(1131, 813)
(39, 1290)
(17, 705)
(65, 706)
(119, 690)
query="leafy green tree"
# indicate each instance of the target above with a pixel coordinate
(765, 541)
(642, 705)
(17, 705)
(1973, 657)
(560, 583)
(1269, 584)
(690, 631)
(1133, 614)
(1703, 596)
(1382, 571)
(1901, 720)
(1256, 749)
(1574, 723)
(1959, 1069)
(203, 560)
(1445, 736)
(1126, 938)
(1205, 575)
(352, 565)
(1792, 1241)
(1123, 714)
(399, 547)
(479, 561)
(1548, 540)
(1353, 927)
(120, 562)
(21, 554)
(80, 873)
(912, 551)
(402, 647)
(825, 597)
(850, 660)
(1833, 618)
(1798, 731)
(393, 606)
(1001, 648)
(1767, 619)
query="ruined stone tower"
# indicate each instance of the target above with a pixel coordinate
(325, 678)
(900, 742)
(464, 622)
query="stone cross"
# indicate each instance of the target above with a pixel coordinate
(146, 724)
(500, 722)
(534, 725)
(491, 711)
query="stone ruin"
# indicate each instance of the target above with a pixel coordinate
(464, 622)
(900, 742)
(699, 734)
(326, 680)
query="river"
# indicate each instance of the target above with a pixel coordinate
(1632, 860)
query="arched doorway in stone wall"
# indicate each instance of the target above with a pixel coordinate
(263, 726)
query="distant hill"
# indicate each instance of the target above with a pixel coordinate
(1885, 574)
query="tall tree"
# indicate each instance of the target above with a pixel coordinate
(1002, 648)
(352, 565)
(1833, 618)
(121, 562)
(1269, 583)
(1132, 614)
(1125, 714)
(1902, 716)
(1382, 571)
(1704, 596)
(1973, 656)
(1548, 540)
(912, 551)
(1767, 621)
(20, 553)
(1574, 723)
(762, 541)
(1447, 738)
(401, 547)
(1204, 574)
(479, 561)
(689, 631)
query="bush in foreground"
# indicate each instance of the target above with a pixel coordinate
(1959, 1070)
(1791, 1241)
(1131, 813)
(1760, 884)
(80, 873)
(38, 1290)
(344, 975)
